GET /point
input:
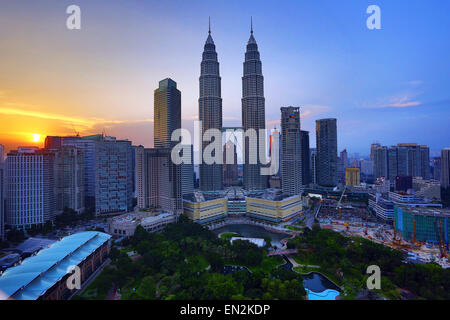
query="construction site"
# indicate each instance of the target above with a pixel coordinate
(422, 234)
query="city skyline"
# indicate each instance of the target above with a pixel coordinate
(59, 82)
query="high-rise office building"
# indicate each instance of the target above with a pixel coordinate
(167, 113)
(392, 163)
(418, 160)
(69, 179)
(291, 163)
(88, 147)
(230, 168)
(437, 168)
(187, 170)
(404, 160)
(425, 170)
(2, 153)
(326, 144)
(162, 181)
(30, 187)
(445, 168)
(139, 177)
(343, 163)
(133, 171)
(253, 116)
(2, 199)
(313, 157)
(210, 114)
(344, 156)
(372, 147)
(108, 172)
(275, 136)
(402, 167)
(380, 158)
(366, 167)
(114, 192)
(2, 191)
(53, 142)
(167, 193)
(305, 158)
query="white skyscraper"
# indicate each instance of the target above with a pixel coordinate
(31, 187)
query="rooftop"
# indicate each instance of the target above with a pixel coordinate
(426, 211)
(38, 273)
(34, 244)
(139, 217)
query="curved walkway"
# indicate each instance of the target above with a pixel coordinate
(295, 264)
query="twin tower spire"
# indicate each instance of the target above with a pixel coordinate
(253, 112)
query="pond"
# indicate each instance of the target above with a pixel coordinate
(328, 294)
(317, 286)
(317, 283)
(251, 231)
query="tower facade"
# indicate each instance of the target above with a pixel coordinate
(167, 113)
(291, 163)
(30, 187)
(326, 140)
(445, 168)
(230, 169)
(210, 114)
(253, 115)
(306, 167)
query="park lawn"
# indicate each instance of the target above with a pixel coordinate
(305, 269)
(303, 261)
(229, 235)
(126, 249)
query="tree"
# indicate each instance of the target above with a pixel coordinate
(147, 289)
(143, 247)
(114, 254)
(140, 234)
(215, 261)
(221, 287)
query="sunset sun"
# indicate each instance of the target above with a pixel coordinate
(36, 137)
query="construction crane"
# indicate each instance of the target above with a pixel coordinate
(340, 201)
(77, 133)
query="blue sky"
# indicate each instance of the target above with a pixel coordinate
(390, 85)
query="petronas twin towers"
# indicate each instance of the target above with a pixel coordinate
(253, 113)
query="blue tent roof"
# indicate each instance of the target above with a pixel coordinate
(38, 273)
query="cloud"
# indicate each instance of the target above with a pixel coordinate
(85, 122)
(415, 82)
(312, 110)
(404, 101)
(47, 116)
